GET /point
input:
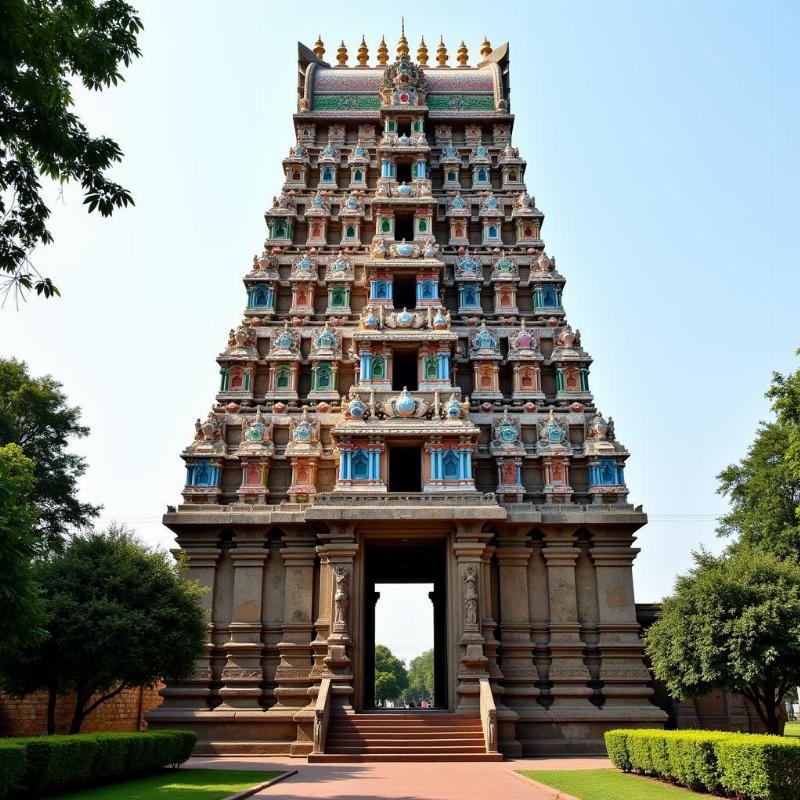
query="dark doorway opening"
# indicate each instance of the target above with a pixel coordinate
(405, 469)
(404, 127)
(404, 291)
(403, 172)
(404, 370)
(403, 222)
(407, 561)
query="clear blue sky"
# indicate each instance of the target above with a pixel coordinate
(662, 145)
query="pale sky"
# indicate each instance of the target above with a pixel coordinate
(661, 142)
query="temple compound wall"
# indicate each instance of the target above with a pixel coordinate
(404, 379)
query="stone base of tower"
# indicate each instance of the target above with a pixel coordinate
(535, 601)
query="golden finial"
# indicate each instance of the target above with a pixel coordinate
(441, 53)
(341, 55)
(383, 52)
(486, 48)
(402, 44)
(463, 54)
(319, 48)
(422, 53)
(363, 53)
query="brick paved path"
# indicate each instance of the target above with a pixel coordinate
(403, 781)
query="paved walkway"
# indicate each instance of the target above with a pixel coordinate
(402, 781)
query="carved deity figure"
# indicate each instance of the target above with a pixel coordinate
(471, 595)
(341, 599)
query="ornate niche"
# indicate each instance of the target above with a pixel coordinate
(303, 279)
(491, 216)
(281, 219)
(512, 168)
(403, 85)
(283, 358)
(508, 450)
(325, 357)
(505, 277)
(449, 467)
(237, 365)
(525, 358)
(295, 168)
(484, 352)
(318, 213)
(458, 214)
(527, 220)
(572, 366)
(480, 163)
(546, 286)
(303, 452)
(450, 163)
(351, 215)
(328, 163)
(255, 453)
(468, 273)
(606, 461)
(555, 451)
(204, 458)
(361, 461)
(358, 161)
(339, 278)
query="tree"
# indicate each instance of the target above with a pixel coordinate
(20, 604)
(35, 415)
(390, 674)
(420, 677)
(785, 396)
(119, 615)
(764, 492)
(44, 44)
(733, 623)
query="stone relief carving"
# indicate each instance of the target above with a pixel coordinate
(341, 599)
(471, 595)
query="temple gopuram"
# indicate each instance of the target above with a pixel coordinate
(404, 400)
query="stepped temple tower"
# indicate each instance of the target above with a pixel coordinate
(404, 400)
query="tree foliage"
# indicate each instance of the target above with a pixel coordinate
(785, 396)
(44, 45)
(733, 623)
(35, 415)
(119, 615)
(420, 678)
(20, 603)
(391, 677)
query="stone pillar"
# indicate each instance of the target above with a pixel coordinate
(242, 675)
(622, 670)
(568, 673)
(516, 647)
(194, 693)
(468, 549)
(295, 649)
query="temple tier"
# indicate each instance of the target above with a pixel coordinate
(404, 400)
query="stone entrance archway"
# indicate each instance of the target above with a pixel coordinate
(406, 561)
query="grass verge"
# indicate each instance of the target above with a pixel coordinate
(608, 784)
(179, 784)
(792, 729)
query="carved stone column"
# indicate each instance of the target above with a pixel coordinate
(242, 675)
(622, 670)
(468, 549)
(516, 647)
(568, 673)
(338, 575)
(194, 693)
(295, 649)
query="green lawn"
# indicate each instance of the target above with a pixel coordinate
(792, 729)
(183, 784)
(608, 784)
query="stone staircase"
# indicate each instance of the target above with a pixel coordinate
(404, 736)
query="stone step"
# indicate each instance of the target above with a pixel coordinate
(402, 736)
(345, 758)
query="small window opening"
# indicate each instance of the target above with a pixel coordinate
(403, 172)
(404, 226)
(404, 370)
(405, 292)
(405, 469)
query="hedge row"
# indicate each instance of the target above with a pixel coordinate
(49, 764)
(743, 765)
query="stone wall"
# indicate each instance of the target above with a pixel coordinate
(27, 716)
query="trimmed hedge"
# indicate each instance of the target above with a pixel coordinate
(13, 758)
(51, 764)
(743, 765)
